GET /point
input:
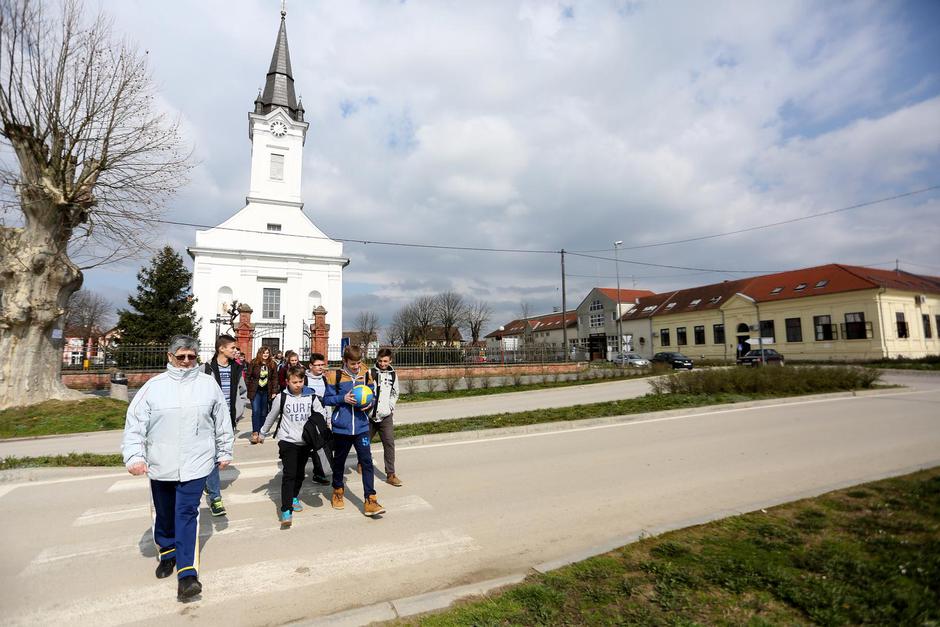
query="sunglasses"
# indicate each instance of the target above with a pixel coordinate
(184, 357)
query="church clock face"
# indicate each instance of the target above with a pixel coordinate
(278, 128)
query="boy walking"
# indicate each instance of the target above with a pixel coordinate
(228, 374)
(383, 408)
(350, 428)
(316, 383)
(299, 403)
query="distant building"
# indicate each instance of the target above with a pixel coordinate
(830, 312)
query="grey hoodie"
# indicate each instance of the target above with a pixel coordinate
(296, 411)
(179, 424)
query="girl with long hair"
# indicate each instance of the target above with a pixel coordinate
(262, 387)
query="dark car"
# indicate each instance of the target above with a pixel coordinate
(754, 358)
(676, 360)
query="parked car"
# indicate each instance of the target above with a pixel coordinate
(676, 360)
(631, 359)
(754, 358)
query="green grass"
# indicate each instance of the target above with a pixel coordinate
(865, 555)
(525, 387)
(58, 417)
(639, 405)
(51, 461)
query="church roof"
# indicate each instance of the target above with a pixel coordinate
(279, 85)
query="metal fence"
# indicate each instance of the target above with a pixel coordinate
(153, 357)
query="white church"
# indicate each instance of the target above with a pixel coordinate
(270, 255)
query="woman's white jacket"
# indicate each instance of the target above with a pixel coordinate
(179, 424)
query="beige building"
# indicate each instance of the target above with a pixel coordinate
(831, 312)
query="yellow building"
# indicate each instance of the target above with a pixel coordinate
(831, 312)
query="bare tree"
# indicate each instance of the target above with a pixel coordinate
(88, 312)
(423, 314)
(367, 324)
(449, 312)
(402, 331)
(477, 315)
(94, 159)
(525, 309)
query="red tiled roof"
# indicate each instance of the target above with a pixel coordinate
(626, 296)
(546, 322)
(682, 301)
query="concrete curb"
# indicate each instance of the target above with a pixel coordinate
(564, 425)
(905, 371)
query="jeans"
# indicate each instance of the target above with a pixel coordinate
(341, 446)
(212, 484)
(260, 405)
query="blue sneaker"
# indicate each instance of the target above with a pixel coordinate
(297, 506)
(286, 518)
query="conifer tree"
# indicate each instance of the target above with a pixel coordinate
(164, 303)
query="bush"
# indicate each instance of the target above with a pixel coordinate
(405, 386)
(450, 383)
(516, 379)
(767, 380)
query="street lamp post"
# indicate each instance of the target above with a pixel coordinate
(617, 246)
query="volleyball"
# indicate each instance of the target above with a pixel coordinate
(363, 395)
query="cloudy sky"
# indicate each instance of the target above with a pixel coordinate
(541, 125)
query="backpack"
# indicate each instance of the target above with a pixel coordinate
(316, 434)
(378, 390)
(339, 373)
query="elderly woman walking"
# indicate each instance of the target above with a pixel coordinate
(177, 429)
(262, 387)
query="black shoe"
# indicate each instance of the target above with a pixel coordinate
(165, 568)
(322, 480)
(188, 588)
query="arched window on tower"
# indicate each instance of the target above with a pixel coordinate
(314, 300)
(223, 300)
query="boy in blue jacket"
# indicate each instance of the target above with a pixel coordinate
(350, 427)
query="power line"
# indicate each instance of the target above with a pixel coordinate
(661, 265)
(767, 226)
(341, 239)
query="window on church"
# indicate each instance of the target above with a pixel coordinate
(274, 227)
(277, 167)
(271, 303)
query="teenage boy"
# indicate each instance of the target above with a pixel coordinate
(291, 359)
(299, 402)
(386, 395)
(314, 380)
(350, 428)
(228, 374)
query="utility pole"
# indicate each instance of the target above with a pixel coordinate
(564, 309)
(617, 246)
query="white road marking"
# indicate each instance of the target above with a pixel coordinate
(229, 585)
(59, 556)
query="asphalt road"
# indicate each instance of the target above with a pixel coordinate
(76, 543)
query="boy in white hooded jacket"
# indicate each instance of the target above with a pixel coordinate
(383, 409)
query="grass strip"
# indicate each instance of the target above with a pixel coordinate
(59, 417)
(639, 405)
(865, 555)
(53, 461)
(415, 396)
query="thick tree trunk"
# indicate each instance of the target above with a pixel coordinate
(36, 286)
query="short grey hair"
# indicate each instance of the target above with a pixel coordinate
(183, 341)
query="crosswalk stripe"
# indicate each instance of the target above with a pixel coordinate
(229, 585)
(59, 556)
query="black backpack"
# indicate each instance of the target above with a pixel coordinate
(316, 433)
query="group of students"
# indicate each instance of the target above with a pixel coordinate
(284, 397)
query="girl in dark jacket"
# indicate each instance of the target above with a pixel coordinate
(262, 387)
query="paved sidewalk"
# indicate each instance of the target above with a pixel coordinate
(105, 442)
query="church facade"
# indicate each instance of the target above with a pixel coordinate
(270, 255)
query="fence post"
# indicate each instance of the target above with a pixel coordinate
(244, 332)
(320, 333)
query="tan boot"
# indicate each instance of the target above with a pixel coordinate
(337, 500)
(393, 480)
(359, 468)
(372, 506)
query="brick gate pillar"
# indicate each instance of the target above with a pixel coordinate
(320, 332)
(245, 331)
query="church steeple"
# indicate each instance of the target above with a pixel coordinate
(279, 85)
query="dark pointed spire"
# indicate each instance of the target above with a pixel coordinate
(279, 85)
